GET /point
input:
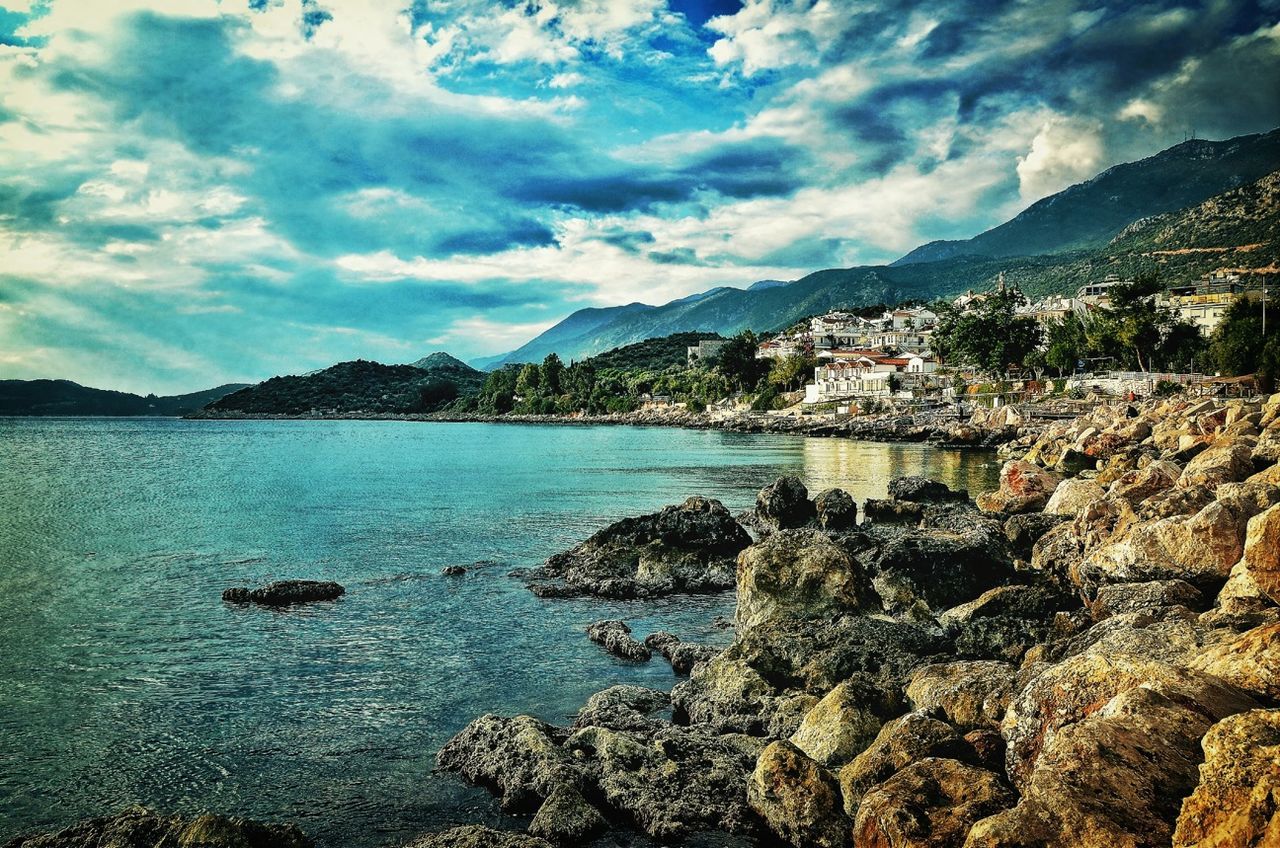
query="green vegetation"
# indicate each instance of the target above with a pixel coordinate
(990, 337)
(63, 397)
(651, 354)
(1239, 347)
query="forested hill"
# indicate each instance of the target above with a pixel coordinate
(63, 397)
(359, 386)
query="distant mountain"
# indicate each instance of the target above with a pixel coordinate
(1090, 214)
(357, 387)
(1056, 245)
(767, 284)
(63, 397)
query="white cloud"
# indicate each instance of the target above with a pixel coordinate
(1064, 151)
(484, 336)
(768, 34)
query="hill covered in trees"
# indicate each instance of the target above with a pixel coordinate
(63, 397)
(359, 386)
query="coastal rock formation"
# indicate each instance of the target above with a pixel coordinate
(1024, 487)
(522, 758)
(1251, 661)
(475, 836)
(929, 804)
(615, 637)
(971, 695)
(839, 727)
(687, 548)
(901, 742)
(286, 593)
(784, 504)
(687, 655)
(799, 799)
(1235, 803)
(798, 574)
(944, 565)
(922, 490)
(567, 818)
(138, 827)
(835, 509)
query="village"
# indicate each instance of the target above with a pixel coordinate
(864, 363)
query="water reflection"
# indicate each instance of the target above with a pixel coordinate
(864, 469)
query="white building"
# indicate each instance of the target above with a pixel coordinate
(705, 349)
(1099, 293)
(911, 319)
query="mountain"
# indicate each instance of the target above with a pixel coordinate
(1055, 246)
(1090, 214)
(651, 354)
(63, 397)
(357, 387)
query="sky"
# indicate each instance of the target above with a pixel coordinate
(194, 192)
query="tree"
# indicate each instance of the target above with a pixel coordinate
(551, 373)
(791, 372)
(738, 362)
(1238, 346)
(1065, 344)
(991, 336)
(529, 381)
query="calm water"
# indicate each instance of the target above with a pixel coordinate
(124, 678)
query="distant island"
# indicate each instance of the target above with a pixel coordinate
(63, 397)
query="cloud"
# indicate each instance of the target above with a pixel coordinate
(1062, 153)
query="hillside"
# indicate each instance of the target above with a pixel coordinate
(1090, 214)
(1039, 251)
(63, 397)
(650, 354)
(358, 386)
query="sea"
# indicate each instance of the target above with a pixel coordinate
(124, 678)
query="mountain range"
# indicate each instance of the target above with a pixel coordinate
(1113, 223)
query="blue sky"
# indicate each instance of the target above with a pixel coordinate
(194, 192)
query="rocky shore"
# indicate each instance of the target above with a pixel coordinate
(1088, 657)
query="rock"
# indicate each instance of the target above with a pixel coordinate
(1025, 529)
(1119, 598)
(892, 512)
(1235, 804)
(615, 637)
(1169, 634)
(522, 758)
(1228, 463)
(453, 571)
(1115, 778)
(784, 504)
(286, 593)
(744, 687)
(662, 642)
(972, 695)
(1241, 604)
(138, 827)
(1138, 485)
(1072, 690)
(836, 510)
(475, 836)
(566, 818)
(798, 574)
(929, 804)
(988, 748)
(1073, 495)
(797, 798)
(922, 490)
(1261, 555)
(678, 781)
(901, 742)
(941, 566)
(686, 655)
(1004, 622)
(839, 727)
(623, 707)
(1024, 487)
(687, 548)
(1251, 661)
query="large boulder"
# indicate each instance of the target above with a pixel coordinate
(950, 563)
(522, 758)
(839, 727)
(1227, 463)
(1139, 484)
(1250, 661)
(798, 798)
(673, 783)
(623, 707)
(836, 510)
(283, 593)
(1119, 598)
(1261, 555)
(1073, 495)
(692, 547)
(1024, 487)
(1005, 622)
(901, 742)
(972, 695)
(1114, 778)
(922, 490)
(929, 804)
(567, 818)
(1026, 528)
(784, 504)
(1237, 802)
(798, 574)
(477, 836)
(1070, 691)
(138, 827)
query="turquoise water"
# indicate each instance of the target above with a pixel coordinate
(124, 678)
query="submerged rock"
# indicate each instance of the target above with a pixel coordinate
(453, 571)
(615, 637)
(138, 827)
(286, 593)
(687, 548)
